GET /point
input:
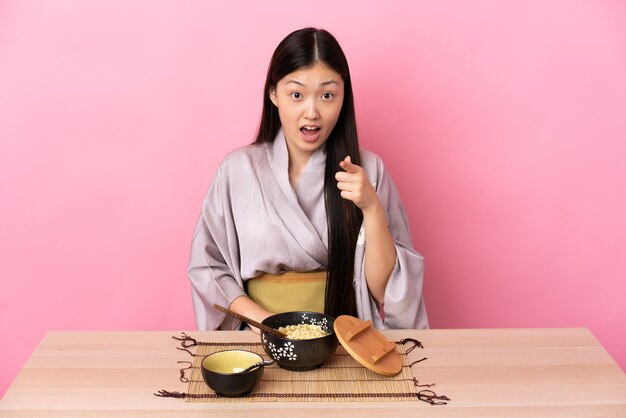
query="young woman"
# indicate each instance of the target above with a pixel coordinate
(302, 219)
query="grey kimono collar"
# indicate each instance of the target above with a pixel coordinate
(293, 215)
(279, 156)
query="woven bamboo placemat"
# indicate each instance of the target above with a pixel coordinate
(340, 378)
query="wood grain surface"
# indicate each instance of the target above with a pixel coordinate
(485, 373)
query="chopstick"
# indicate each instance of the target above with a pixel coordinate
(250, 321)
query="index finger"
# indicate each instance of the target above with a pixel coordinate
(347, 165)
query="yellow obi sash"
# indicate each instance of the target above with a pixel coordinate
(290, 291)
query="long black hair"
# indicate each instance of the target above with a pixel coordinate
(302, 49)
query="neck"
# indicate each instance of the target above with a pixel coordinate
(297, 163)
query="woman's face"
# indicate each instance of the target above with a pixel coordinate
(309, 102)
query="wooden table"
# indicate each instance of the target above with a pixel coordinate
(488, 372)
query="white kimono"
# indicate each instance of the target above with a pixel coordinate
(254, 222)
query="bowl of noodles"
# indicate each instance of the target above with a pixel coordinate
(310, 340)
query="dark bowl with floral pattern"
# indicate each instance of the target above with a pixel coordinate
(300, 355)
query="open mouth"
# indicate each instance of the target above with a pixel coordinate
(310, 130)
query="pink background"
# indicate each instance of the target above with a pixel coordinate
(503, 124)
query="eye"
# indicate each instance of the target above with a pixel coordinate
(296, 95)
(327, 96)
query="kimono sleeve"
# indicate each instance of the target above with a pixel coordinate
(404, 303)
(213, 269)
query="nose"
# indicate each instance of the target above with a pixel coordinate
(311, 112)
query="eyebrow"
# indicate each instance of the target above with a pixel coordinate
(324, 83)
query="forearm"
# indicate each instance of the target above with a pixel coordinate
(243, 305)
(380, 251)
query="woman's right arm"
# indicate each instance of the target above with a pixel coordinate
(243, 305)
(214, 269)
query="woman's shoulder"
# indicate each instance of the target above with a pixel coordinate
(369, 157)
(381, 179)
(244, 157)
(372, 163)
